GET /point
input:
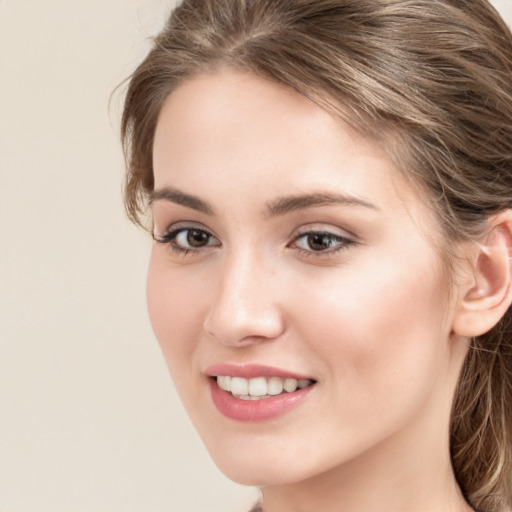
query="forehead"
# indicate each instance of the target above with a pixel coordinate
(238, 133)
(211, 108)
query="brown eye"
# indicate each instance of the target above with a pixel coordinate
(321, 243)
(187, 239)
(197, 237)
(318, 241)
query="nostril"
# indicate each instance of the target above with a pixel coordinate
(244, 326)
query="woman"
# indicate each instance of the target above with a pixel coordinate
(329, 188)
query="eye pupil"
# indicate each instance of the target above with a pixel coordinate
(319, 241)
(197, 238)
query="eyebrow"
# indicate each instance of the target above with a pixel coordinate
(274, 208)
(178, 197)
(284, 205)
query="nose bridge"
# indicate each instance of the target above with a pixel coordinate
(245, 308)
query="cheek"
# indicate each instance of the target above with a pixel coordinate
(174, 306)
(379, 328)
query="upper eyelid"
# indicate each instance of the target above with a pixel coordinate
(343, 240)
(324, 228)
(178, 229)
(314, 227)
(174, 226)
(329, 233)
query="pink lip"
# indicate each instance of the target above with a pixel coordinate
(249, 371)
(254, 410)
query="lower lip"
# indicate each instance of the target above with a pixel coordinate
(255, 410)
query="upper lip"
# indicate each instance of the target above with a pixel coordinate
(249, 371)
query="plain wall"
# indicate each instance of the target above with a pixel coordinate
(89, 420)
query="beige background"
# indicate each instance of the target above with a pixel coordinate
(89, 420)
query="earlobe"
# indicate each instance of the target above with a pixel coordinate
(489, 293)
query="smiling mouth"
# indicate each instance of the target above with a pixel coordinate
(260, 388)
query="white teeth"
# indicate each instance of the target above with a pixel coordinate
(224, 382)
(275, 386)
(303, 383)
(289, 385)
(239, 386)
(259, 387)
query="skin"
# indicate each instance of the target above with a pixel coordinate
(369, 318)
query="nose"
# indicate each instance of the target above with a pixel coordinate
(245, 308)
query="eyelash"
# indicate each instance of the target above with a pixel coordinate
(343, 243)
(169, 239)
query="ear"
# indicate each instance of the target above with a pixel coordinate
(487, 293)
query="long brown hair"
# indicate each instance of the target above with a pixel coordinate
(431, 80)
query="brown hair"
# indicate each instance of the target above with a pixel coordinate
(432, 79)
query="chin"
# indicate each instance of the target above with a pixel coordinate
(263, 461)
(256, 474)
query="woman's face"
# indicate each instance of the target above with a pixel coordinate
(290, 252)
